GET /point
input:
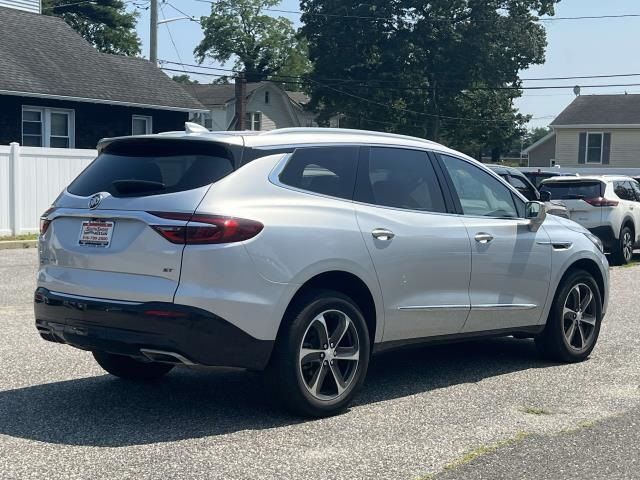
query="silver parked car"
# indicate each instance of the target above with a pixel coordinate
(302, 252)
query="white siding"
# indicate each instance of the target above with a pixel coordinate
(42, 174)
(276, 113)
(26, 5)
(625, 147)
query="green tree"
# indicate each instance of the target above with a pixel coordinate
(438, 68)
(535, 134)
(105, 24)
(184, 79)
(259, 44)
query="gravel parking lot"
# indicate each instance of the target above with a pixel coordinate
(428, 411)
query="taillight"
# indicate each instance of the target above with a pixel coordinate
(601, 202)
(44, 221)
(203, 229)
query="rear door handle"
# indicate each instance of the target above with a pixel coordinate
(382, 234)
(483, 237)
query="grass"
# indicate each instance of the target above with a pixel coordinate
(29, 236)
(536, 411)
(484, 450)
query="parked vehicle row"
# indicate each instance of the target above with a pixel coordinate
(301, 252)
(608, 205)
(520, 182)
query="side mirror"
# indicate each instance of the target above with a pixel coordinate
(545, 196)
(536, 213)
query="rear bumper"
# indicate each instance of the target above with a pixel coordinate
(606, 234)
(126, 328)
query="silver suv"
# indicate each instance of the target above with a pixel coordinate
(302, 252)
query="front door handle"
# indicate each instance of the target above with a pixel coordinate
(483, 238)
(382, 234)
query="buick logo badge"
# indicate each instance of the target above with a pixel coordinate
(95, 201)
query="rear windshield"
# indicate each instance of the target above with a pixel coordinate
(144, 167)
(577, 190)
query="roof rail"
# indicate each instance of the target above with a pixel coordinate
(342, 131)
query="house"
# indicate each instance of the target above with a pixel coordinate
(56, 90)
(593, 131)
(268, 107)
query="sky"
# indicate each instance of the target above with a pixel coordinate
(575, 47)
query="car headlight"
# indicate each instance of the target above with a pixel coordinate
(596, 241)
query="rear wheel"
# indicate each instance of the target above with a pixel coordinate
(623, 252)
(321, 359)
(130, 368)
(574, 321)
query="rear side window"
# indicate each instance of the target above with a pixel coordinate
(573, 190)
(624, 190)
(144, 167)
(325, 170)
(399, 178)
(523, 186)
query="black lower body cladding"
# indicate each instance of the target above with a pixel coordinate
(126, 328)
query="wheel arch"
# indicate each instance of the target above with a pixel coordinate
(346, 283)
(627, 221)
(589, 266)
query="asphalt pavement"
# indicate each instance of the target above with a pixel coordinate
(489, 409)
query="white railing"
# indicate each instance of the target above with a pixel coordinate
(30, 180)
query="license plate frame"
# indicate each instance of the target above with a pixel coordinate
(96, 233)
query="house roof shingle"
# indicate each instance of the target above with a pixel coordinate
(218, 94)
(601, 110)
(41, 55)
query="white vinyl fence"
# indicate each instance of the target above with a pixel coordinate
(30, 180)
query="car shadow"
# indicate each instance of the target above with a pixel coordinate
(105, 411)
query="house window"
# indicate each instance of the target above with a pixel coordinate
(266, 97)
(141, 125)
(254, 121)
(594, 148)
(47, 127)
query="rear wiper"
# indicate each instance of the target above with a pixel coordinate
(137, 186)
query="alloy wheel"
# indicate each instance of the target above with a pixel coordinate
(627, 246)
(579, 317)
(329, 355)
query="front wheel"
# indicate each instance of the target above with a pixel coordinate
(574, 321)
(322, 357)
(130, 368)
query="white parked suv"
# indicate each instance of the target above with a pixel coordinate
(607, 205)
(302, 252)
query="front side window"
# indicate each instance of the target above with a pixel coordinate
(141, 125)
(636, 189)
(399, 178)
(480, 194)
(524, 187)
(47, 127)
(326, 170)
(594, 148)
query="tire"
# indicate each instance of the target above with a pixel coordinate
(571, 335)
(309, 388)
(623, 251)
(130, 368)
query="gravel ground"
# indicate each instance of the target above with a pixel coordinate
(421, 410)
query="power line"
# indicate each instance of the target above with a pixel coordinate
(171, 37)
(438, 20)
(536, 79)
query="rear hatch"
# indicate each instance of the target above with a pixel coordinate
(115, 232)
(582, 197)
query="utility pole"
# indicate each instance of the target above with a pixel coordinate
(241, 101)
(153, 33)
